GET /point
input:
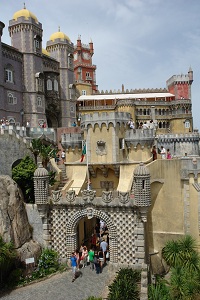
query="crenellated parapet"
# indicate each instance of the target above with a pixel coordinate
(180, 144)
(133, 91)
(71, 140)
(139, 136)
(113, 118)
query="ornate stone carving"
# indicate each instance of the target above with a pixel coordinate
(124, 197)
(90, 212)
(56, 196)
(101, 148)
(70, 196)
(107, 197)
(88, 195)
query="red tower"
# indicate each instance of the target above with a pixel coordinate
(84, 70)
(180, 85)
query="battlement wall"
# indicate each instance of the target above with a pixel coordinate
(106, 118)
(178, 78)
(133, 91)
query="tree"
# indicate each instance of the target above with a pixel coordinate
(35, 148)
(23, 174)
(184, 261)
(46, 153)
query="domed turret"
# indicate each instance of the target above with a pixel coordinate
(142, 189)
(24, 13)
(41, 185)
(59, 35)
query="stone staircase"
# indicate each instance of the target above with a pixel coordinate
(64, 178)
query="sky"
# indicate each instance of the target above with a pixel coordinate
(137, 43)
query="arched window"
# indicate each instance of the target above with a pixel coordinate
(70, 60)
(9, 73)
(39, 101)
(11, 98)
(49, 85)
(55, 83)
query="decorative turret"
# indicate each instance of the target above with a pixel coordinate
(142, 190)
(190, 75)
(41, 185)
(91, 48)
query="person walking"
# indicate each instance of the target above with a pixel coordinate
(168, 154)
(91, 258)
(154, 152)
(104, 248)
(63, 156)
(84, 256)
(73, 260)
(96, 262)
(163, 153)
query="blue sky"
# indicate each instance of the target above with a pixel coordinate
(138, 43)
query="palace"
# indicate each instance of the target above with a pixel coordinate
(144, 202)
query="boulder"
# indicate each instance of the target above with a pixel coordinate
(14, 225)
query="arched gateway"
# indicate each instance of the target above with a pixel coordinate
(124, 214)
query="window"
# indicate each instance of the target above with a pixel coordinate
(70, 60)
(49, 85)
(9, 75)
(72, 108)
(84, 92)
(55, 82)
(39, 82)
(187, 124)
(11, 99)
(37, 44)
(87, 74)
(39, 101)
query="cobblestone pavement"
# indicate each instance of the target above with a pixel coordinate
(61, 287)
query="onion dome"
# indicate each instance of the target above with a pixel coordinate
(24, 13)
(44, 51)
(41, 171)
(141, 170)
(59, 35)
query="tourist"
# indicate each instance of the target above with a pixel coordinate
(96, 262)
(163, 153)
(77, 258)
(104, 248)
(168, 154)
(131, 124)
(154, 152)
(84, 256)
(73, 265)
(101, 260)
(63, 156)
(91, 258)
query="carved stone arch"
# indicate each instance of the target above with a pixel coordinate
(72, 233)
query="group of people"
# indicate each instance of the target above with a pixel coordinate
(97, 255)
(164, 154)
(4, 123)
(146, 125)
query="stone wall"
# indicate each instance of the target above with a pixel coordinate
(35, 222)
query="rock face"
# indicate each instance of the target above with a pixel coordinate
(14, 225)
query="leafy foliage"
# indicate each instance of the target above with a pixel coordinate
(125, 285)
(159, 291)
(184, 260)
(23, 174)
(48, 262)
(7, 260)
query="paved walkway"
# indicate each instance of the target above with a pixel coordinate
(61, 287)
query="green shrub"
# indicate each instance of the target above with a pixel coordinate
(23, 174)
(48, 262)
(125, 286)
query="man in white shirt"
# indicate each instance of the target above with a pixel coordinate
(163, 152)
(104, 247)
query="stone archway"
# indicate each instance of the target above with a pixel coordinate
(90, 212)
